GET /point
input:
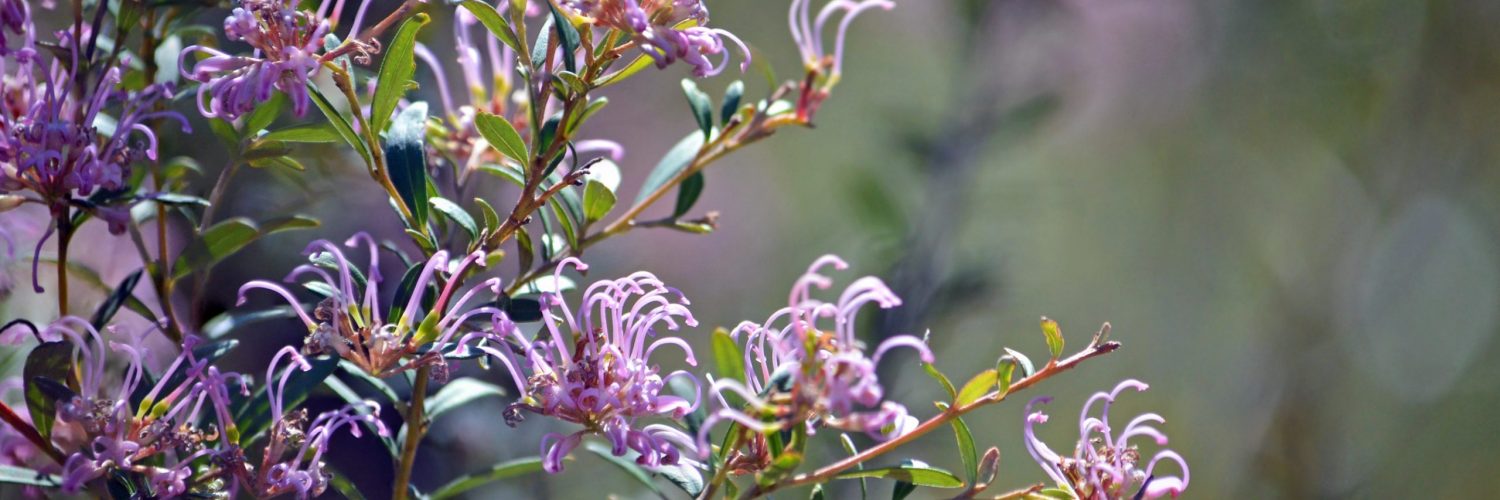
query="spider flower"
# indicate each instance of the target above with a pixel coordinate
(1104, 465)
(161, 437)
(292, 462)
(350, 324)
(796, 372)
(666, 30)
(593, 368)
(287, 48)
(807, 33)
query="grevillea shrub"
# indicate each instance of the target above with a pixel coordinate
(129, 398)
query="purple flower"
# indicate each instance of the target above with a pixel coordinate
(15, 17)
(807, 32)
(1105, 465)
(292, 462)
(798, 372)
(350, 323)
(166, 424)
(665, 30)
(593, 368)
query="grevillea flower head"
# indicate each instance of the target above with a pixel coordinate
(822, 65)
(666, 30)
(798, 373)
(292, 462)
(166, 424)
(350, 323)
(593, 368)
(1105, 465)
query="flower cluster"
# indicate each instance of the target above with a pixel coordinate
(593, 368)
(798, 373)
(1105, 466)
(350, 324)
(807, 33)
(167, 423)
(666, 30)
(286, 42)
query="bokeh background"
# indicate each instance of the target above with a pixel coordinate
(1286, 209)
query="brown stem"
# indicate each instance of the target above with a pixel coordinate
(64, 236)
(370, 34)
(416, 426)
(10, 417)
(829, 471)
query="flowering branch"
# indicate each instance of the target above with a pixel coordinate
(827, 472)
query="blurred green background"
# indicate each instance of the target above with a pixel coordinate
(1286, 209)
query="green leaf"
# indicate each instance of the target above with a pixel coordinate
(288, 223)
(687, 194)
(502, 470)
(406, 159)
(219, 241)
(732, 96)
(849, 448)
(1054, 337)
(342, 484)
(915, 474)
(179, 200)
(354, 371)
(308, 133)
(942, 379)
(508, 172)
(491, 218)
(117, 298)
(598, 200)
(11, 474)
(729, 360)
(264, 150)
(263, 114)
(976, 388)
(684, 474)
(502, 136)
(966, 448)
(626, 464)
(52, 361)
(539, 47)
(457, 214)
(492, 21)
(339, 123)
(225, 132)
(233, 319)
(640, 63)
(396, 70)
(568, 38)
(1024, 362)
(252, 415)
(1056, 493)
(676, 160)
(458, 393)
(701, 105)
(1005, 368)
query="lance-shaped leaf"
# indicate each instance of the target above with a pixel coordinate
(732, 96)
(1054, 337)
(568, 38)
(456, 214)
(117, 298)
(914, 472)
(309, 133)
(48, 361)
(976, 388)
(11, 474)
(498, 131)
(729, 360)
(406, 159)
(687, 194)
(497, 472)
(219, 241)
(396, 70)
(493, 21)
(701, 105)
(458, 393)
(679, 158)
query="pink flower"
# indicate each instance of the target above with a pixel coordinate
(1104, 465)
(666, 30)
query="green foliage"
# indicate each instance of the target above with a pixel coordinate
(396, 70)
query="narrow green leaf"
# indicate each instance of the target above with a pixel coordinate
(1054, 337)
(625, 464)
(396, 70)
(1024, 362)
(678, 158)
(636, 65)
(458, 393)
(342, 484)
(598, 200)
(539, 47)
(864, 490)
(11, 474)
(502, 470)
(688, 193)
(918, 475)
(288, 223)
(339, 123)
(976, 388)
(966, 448)
(308, 133)
(568, 38)
(1005, 368)
(406, 159)
(219, 241)
(942, 379)
(502, 136)
(729, 360)
(52, 361)
(233, 319)
(732, 96)
(492, 21)
(117, 298)
(701, 105)
(263, 114)
(491, 217)
(457, 214)
(508, 172)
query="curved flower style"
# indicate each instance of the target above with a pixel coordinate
(351, 324)
(288, 47)
(1104, 466)
(292, 462)
(166, 424)
(801, 374)
(597, 372)
(15, 17)
(657, 27)
(807, 32)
